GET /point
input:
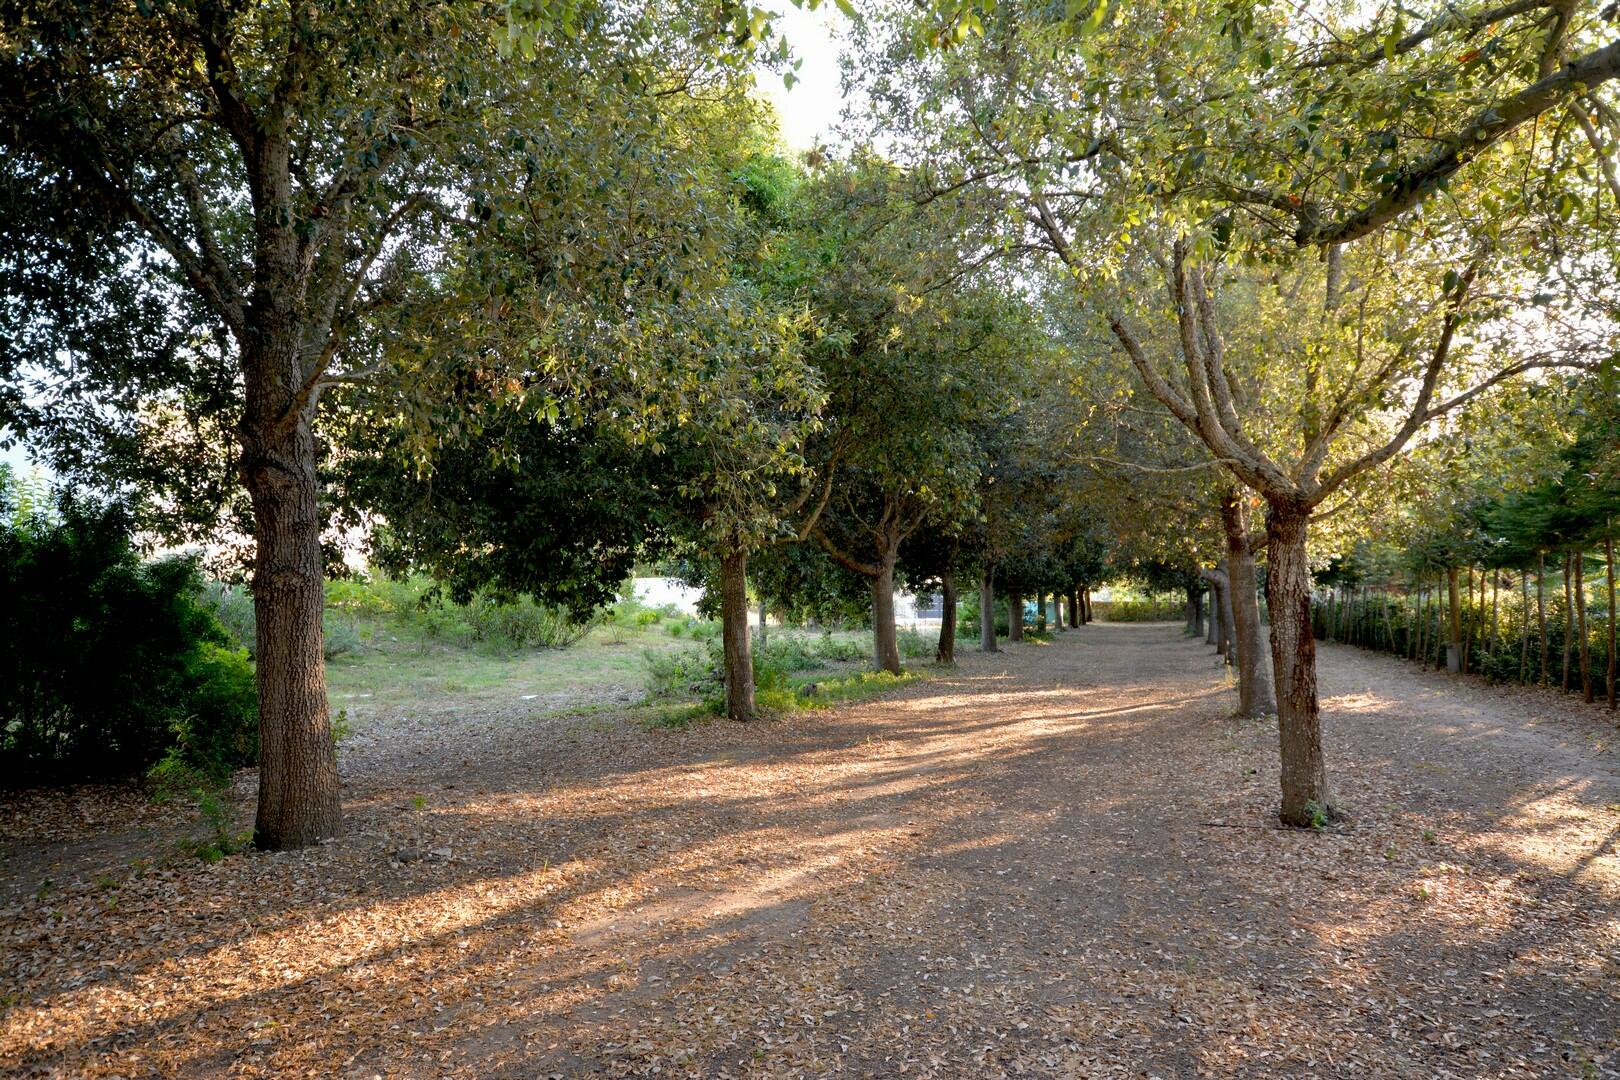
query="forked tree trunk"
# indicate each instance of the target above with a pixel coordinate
(945, 651)
(1015, 616)
(734, 637)
(885, 642)
(1255, 694)
(298, 778)
(1305, 795)
(987, 613)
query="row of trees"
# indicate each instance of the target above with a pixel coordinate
(1312, 237)
(524, 291)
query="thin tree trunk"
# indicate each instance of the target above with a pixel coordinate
(1305, 794)
(1608, 559)
(945, 651)
(987, 613)
(1074, 607)
(885, 641)
(1087, 612)
(1015, 616)
(1496, 627)
(1569, 618)
(1453, 648)
(1255, 694)
(762, 622)
(1585, 647)
(1524, 627)
(298, 779)
(1541, 610)
(735, 640)
(1212, 628)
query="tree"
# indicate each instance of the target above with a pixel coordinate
(1144, 142)
(214, 212)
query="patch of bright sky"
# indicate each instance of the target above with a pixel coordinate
(811, 107)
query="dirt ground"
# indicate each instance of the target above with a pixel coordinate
(1056, 861)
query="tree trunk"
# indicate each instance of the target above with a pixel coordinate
(987, 613)
(1305, 796)
(1212, 630)
(1585, 644)
(1074, 607)
(885, 642)
(1569, 618)
(1255, 695)
(1524, 627)
(1086, 613)
(298, 778)
(762, 622)
(1195, 611)
(735, 638)
(1015, 616)
(945, 651)
(1453, 646)
(1608, 559)
(1541, 610)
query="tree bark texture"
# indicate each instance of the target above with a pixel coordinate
(1255, 694)
(1305, 795)
(298, 777)
(945, 651)
(987, 613)
(1015, 616)
(885, 642)
(735, 638)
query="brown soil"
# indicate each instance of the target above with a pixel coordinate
(1055, 861)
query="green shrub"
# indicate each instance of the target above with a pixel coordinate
(108, 662)
(232, 607)
(914, 645)
(828, 647)
(787, 654)
(680, 673)
(522, 624)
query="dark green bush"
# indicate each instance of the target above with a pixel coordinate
(108, 662)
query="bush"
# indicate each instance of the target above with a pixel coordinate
(828, 647)
(690, 672)
(523, 624)
(108, 662)
(914, 645)
(787, 654)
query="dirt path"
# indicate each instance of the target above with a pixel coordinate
(1059, 861)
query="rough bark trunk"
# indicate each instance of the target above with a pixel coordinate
(1015, 616)
(885, 641)
(945, 651)
(1306, 799)
(1255, 695)
(298, 778)
(987, 613)
(734, 636)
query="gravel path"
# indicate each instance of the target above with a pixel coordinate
(1056, 861)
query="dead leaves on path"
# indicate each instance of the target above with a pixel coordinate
(1023, 869)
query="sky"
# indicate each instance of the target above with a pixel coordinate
(809, 110)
